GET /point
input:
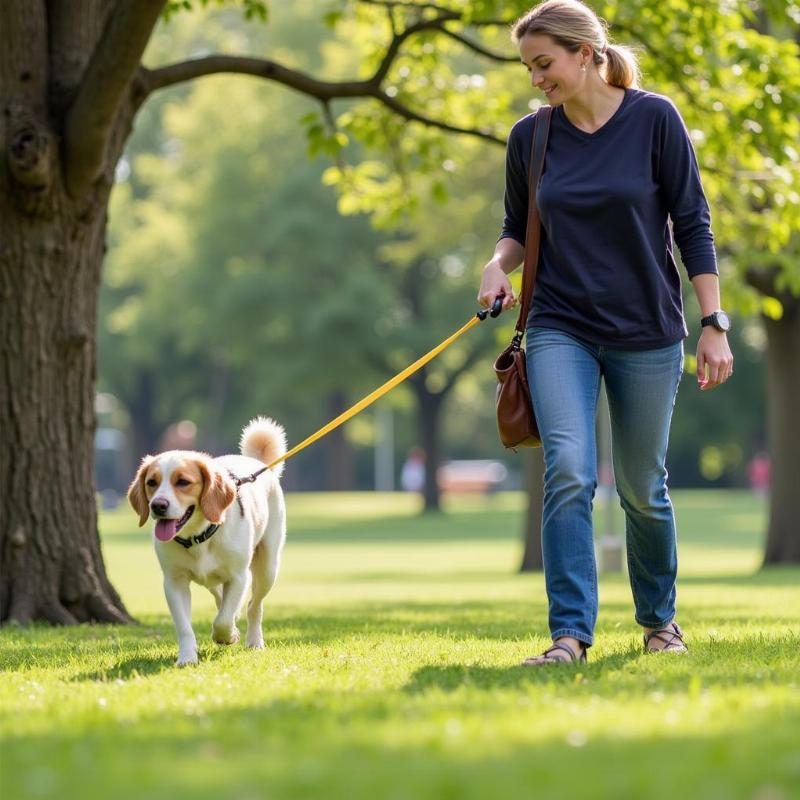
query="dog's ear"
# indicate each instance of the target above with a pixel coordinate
(137, 496)
(218, 492)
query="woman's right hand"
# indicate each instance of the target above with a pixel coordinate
(494, 284)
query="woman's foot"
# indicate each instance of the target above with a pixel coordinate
(665, 640)
(564, 650)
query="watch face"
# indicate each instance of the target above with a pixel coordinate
(723, 321)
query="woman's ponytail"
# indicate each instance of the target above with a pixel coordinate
(621, 67)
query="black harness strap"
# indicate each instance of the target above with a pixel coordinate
(199, 539)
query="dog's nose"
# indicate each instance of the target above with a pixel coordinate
(159, 505)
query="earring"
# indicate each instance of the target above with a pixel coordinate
(583, 67)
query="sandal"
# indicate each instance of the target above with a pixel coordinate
(550, 656)
(672, 636)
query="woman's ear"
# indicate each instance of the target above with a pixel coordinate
(218, 492)
(137, 496)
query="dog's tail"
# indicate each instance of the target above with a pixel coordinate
(265, 440)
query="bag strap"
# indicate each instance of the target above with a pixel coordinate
(533, 232)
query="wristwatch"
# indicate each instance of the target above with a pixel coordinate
(719, 319)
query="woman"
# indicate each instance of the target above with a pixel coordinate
(619, 167)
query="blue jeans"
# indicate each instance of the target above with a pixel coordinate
(641, 386)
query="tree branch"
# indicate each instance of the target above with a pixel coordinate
(74, 29)
(392, 4)
(407, 113)
(763, 280)
(447, 13)
(397, 40)
(325, 91)
(321, 90)
(90, 119)
(479, 48)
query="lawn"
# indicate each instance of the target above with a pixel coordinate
(391, 672)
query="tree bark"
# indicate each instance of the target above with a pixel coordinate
(51, 250)
(783, 431)
(532, 535)
(49, 274)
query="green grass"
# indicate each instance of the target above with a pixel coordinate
(391, 672)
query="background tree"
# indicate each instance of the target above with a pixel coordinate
(287, 272)
(264, 270)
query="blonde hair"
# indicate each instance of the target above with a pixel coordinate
(571, 23)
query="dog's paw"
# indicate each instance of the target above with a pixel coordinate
(185, 659)
(255, 642)
(222, 634)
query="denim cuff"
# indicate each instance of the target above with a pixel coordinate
(655, 625)
(581, 637)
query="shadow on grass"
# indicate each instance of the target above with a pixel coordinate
(150, 648)
(125, 649)
(138, 666)
(457, 676)
(759, 660)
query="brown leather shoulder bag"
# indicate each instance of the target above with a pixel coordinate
(516, 421)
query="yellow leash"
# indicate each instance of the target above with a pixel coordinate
(382, 390)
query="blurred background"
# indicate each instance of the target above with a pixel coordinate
(251, 271)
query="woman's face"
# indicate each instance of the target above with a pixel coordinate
(554, 70)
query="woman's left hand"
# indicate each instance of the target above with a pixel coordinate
(713, 352)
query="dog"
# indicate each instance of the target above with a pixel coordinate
(231, 536)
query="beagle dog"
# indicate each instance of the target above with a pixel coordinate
(214, 531)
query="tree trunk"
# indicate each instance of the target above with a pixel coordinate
(338, 456)
(51, 250)
(52, 566)
(141, 404)
(783, 431)
(219, 381)
(532, 535)
(429, 406)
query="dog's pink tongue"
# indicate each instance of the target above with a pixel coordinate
(166, 529)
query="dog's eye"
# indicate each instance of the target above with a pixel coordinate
(182, 482)
(152, 483)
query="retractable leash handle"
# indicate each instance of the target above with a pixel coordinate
(497, 307)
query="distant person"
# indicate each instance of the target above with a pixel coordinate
(620, 179)
(179, 436)
(759, 473)
(412, 475)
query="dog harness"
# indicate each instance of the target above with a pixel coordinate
(199, 539)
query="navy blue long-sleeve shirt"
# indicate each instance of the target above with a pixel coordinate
(606, 268)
